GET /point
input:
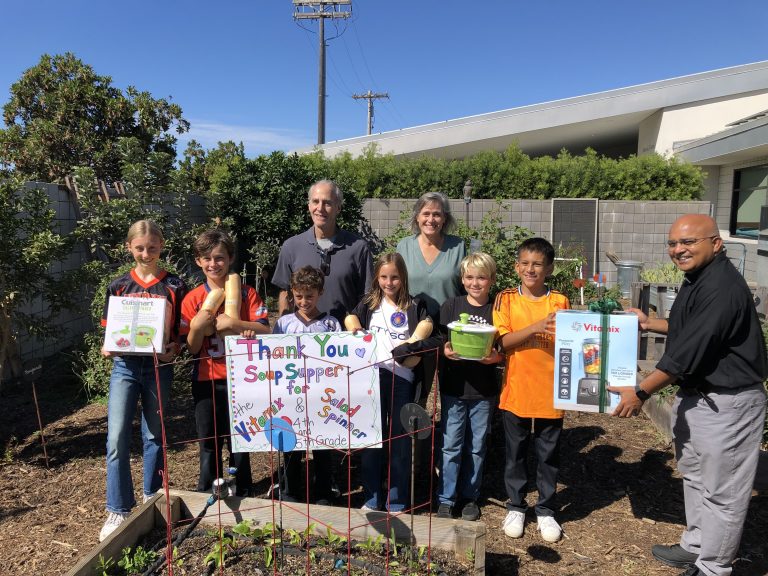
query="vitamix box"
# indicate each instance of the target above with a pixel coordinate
(581, 354)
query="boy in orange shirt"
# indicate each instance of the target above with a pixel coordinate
(214, 254)
(524, 317)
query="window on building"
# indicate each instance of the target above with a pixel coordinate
(750, 192)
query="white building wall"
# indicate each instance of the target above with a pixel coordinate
(691, 121)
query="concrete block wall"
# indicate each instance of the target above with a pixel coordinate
(637, 230)
(633, 230)
(70, 324)
(383, 214)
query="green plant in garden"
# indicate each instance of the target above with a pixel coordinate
(104, 566)
(268, 556)
(136, 560)
(244, 529)
(512, 174)
(371, 544)
(331, 539)
(220, 548)
(662, 273)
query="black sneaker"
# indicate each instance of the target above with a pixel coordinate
(674, 556)
(470, 512)
(445, 511)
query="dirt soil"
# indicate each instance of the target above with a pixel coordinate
(619, 492)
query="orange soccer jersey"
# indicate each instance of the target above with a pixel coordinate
(211, 362)
(529, 376)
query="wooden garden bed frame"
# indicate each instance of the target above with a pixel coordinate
(464, 539)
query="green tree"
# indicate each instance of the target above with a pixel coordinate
(62, 115)
(29, 245)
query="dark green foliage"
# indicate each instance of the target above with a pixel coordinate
(62, 115)
(512, 174)
(265, 198)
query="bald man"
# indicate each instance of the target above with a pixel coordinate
(716, 354)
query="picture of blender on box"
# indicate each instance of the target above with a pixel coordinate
(137, 325)
(582, 358)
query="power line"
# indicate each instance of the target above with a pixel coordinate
(370, 96)
(321, 10)
(370, 75)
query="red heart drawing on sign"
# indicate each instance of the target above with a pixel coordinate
(367, 337)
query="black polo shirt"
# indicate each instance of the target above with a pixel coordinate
(714, 336)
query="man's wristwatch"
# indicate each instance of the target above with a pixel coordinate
(642, 394)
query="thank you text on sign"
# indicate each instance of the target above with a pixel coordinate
(290, 392)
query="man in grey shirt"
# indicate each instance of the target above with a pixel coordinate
(345, 261)
(343, 257)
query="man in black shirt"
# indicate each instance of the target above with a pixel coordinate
(716, 354)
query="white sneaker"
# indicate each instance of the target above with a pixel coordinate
(514, 524)
(549, 528)
(147, 498)
(114, 519)
(366, 508)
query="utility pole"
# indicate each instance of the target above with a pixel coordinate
(320, 10)
(370, 97)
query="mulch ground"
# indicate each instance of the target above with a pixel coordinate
(619, 492)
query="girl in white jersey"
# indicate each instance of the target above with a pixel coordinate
(389, 312)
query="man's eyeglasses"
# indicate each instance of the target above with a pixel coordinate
(325, 262)
(687, 241)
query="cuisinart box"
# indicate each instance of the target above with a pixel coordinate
(580, 355)
(136, 325)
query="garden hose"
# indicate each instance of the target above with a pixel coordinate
(158, 564)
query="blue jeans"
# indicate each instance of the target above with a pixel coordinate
(133, 377)
(393, 398)
(465, 427)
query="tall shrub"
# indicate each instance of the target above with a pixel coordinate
(29, 244)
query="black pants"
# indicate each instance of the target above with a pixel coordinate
(546, 441)
(210, 439)
(292, 473)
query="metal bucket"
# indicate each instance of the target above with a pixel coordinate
(628, 272)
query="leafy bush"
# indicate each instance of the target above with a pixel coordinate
(666, 273)
(512, 174)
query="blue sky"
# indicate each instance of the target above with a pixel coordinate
(245, 71)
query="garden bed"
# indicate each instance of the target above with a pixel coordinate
(618, 491)
(374, 537)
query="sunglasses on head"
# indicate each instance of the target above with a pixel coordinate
(325, 262)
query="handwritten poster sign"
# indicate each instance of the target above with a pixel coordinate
(292, 390)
